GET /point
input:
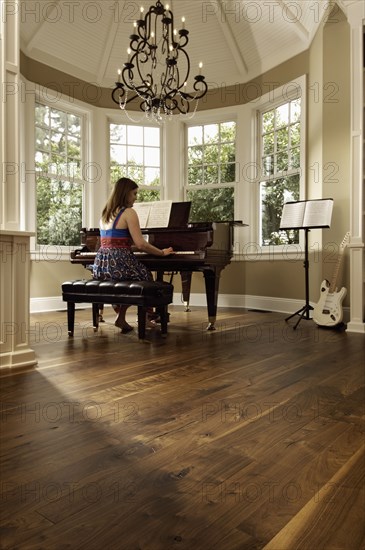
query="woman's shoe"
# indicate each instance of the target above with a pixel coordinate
(123, 325)
(127, 328)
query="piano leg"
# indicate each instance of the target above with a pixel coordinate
(186, 286)
(211, 290)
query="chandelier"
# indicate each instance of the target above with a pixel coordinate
(158, 68)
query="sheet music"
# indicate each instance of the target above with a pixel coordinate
(143, 210)
(306, 214)
(159, 214)
(153, 214)
(318, 213)
(292, 215)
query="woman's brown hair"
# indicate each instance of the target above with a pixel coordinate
(118, 198)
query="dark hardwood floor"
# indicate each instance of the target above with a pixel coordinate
(249, 437)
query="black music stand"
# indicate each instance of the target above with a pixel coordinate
(303, 312)
(307, 215)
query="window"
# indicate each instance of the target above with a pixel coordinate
(59, 184)
(135, 154)
(211, 171)
(280, 154)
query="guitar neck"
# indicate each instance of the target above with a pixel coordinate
(333, 283)
(336, 271)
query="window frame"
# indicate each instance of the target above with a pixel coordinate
(281, 95)
(206, 120)
(140, 124)
(52, 99)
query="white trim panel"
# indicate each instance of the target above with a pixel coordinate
(261, 303)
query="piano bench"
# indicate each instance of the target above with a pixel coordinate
(143, 294)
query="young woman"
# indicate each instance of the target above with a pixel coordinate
(119, 230)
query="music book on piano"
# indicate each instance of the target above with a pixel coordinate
(160, 214)
(153, 214)
(314, 213)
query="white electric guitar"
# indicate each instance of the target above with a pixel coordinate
(328, 311)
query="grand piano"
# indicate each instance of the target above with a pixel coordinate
(205, 247)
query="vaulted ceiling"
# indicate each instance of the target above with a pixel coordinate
(236, 40)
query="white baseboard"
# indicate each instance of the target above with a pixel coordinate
(53, 303)
(356, 327)
(262, 303)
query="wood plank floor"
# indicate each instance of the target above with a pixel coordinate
(249, 437)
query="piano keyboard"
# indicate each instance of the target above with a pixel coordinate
(180, 252)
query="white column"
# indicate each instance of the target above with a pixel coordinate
(14, 244)
(356, 16)
(14, 293)
(10, 204)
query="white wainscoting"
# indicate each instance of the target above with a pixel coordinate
(261, 303)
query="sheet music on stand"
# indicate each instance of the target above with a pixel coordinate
(143, 210)
(307, 215)
(310, 214)
(153, 214)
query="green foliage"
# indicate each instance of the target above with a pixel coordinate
(59, 212)
(273, 196)
(58, 179)
(211, 204)
(148, 195)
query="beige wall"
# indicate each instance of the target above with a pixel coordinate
(328, 142)
(263, 278)
(46, 277)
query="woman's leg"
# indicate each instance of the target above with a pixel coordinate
(121, 322)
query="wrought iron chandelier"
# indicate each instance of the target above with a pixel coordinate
(158, 68)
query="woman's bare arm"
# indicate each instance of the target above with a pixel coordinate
(132, 221)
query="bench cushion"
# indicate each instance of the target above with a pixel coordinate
(144, 293)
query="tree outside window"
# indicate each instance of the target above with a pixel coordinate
(280, 141)
(58, 162)
(135, 154)
(211, 171)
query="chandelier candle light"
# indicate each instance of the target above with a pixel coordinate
(158, 59)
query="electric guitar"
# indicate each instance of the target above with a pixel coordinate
(328, 311)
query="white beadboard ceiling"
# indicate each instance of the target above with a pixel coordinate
(236, 40)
